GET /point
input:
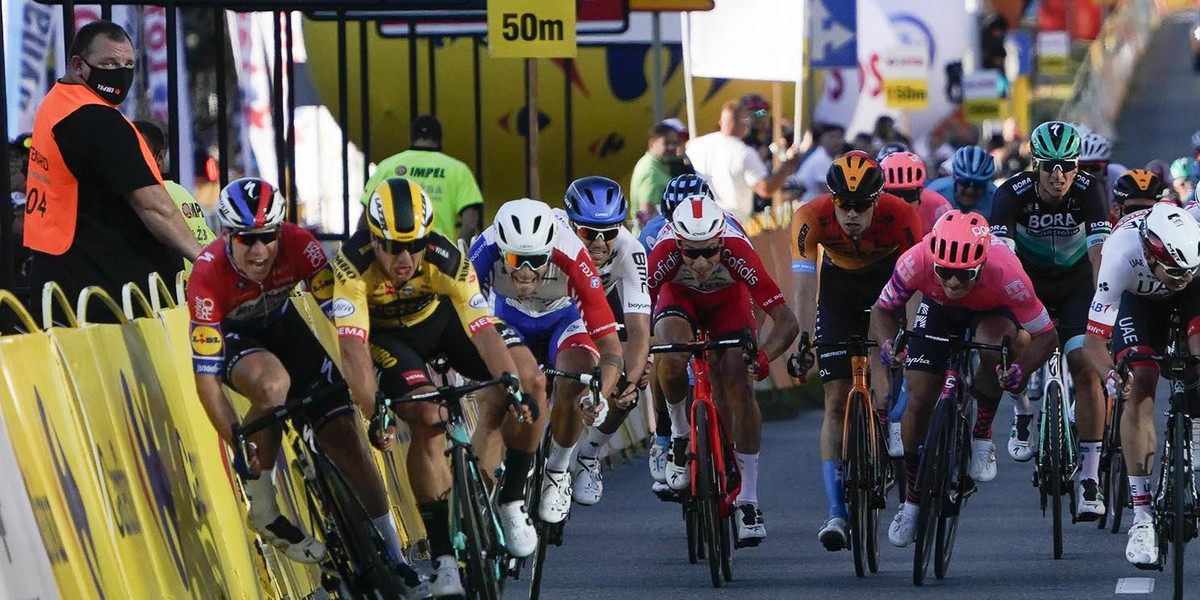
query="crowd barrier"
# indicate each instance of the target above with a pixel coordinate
(118, 487)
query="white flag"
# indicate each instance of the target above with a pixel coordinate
(250, 54)
(747, 39)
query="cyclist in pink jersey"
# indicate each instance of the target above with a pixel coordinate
(904, 176)
(969, 281)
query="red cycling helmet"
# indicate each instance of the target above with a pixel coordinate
(903, 171)
(960, 241)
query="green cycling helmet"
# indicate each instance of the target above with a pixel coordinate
(1181, 168)
(1055, 140)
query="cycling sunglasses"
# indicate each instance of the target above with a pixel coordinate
(249, 238)
(396, 247)
(963, 275)
(1094, 167)
(590, 233)
(909, 196)
(1050, 165)
(1175, 272)
(533, 261)
(971, 186)
(854, 205)
(706, 252)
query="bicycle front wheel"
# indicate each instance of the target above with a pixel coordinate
(1054, 449)
(931, 480)
(955, 495)
(856, 482)
(1180, 509)
(481, 572)
(706, 496)
(533, 499)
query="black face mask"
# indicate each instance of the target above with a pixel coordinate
(111, 84)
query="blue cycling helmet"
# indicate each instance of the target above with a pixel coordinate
(890, 148)
(974, 164)
(679, 189)
(596, 200)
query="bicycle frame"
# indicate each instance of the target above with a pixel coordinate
(702, 401)
(1055, 373)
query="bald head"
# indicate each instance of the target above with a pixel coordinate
(735, 119)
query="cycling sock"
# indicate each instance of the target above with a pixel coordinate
(593, 442)
(748, 466)
(1022, 405)
(436, 516)
(679, 420)
(560, 457)
(516, 470)
(263, 507)
(912, 461)
(1139, 493)
(832, 471)
(985, 413)
(901, 403)
(1090, 452)
(386, 526)
(662, 422)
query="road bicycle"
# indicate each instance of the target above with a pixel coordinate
(475, 529)
(1113, 481)
(1058, 449)
(550, 533)
(865, 463)
(942, 475)
(355, 550)
(708, 512)
(1176, 510)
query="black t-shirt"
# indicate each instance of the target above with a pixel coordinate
(112, 245)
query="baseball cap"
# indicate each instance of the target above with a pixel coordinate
(426, 127)
(675, 124)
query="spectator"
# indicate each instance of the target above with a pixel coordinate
(759, 135)
(654, 169)
(449, 182)
(811, 176)
(736, 173)
(193, 215)
(18, 168)
(886, 132)
(863, 141)
(97, 212)
(1181, 179)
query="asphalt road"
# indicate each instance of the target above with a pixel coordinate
(632, 546)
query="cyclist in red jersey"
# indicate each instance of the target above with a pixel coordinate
(703, 275)
(246, 333)
(969, 280)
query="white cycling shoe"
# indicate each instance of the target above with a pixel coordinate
(751, 528)
(556, 498)
(1089, 502)
(658, 463)
(834, 534)
(288, 539)
(983, 460)
(679, 473)
(1142, 549)
(446, 581)
(895, 444)
(903, 529)
(589, 481)
(1021, 440)
(520, 538)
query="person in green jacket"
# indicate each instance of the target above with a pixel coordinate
(655, 169)
(449, 182)
(193, 214)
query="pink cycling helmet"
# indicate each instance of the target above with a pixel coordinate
(960, 241)
(903, 171)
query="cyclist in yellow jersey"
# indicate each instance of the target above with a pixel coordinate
(404, 295)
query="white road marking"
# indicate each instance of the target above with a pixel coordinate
(1135, 585)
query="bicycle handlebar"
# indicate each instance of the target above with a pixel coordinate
(1165, 361)
(591, 380)
(745, 341)
(957, 342)
(282, 413)
(447, 396)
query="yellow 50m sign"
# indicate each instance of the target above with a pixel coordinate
(531, 28)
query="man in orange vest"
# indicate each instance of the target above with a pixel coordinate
(96, 211)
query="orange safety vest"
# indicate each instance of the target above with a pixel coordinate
(52, 192)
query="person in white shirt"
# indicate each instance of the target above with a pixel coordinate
(811, 176)
(734, 170)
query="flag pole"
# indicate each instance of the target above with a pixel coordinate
(688, 88)
(798, 114)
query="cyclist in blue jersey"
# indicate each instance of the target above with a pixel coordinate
(970, 187)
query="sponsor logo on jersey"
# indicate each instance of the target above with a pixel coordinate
(479, 324)
(1021, 184)
(433, 172)
(1052, 220)
(1017, 291)
(314, 254)
(415, 377)
(401, 170)
(202, 308)
(596, 282)
(801, 237)
(205, 257)
(740, 266)
(477, 301)
(1128, 331)
(1095, 328)
(342, 308)
(322, 285)
(352, 332)
(1099, 307)
(206, 341)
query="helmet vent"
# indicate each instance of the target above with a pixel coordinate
(516, 224)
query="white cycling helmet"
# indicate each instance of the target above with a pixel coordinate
(525, 227)
(698, 219)
(1095, 148)
(1171, 236)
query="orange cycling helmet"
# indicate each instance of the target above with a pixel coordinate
(855, 176)
(960, 241)
(903, 171)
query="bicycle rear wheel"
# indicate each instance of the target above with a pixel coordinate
(1180, 509)
(955, 495)
(856, 483)
(706, 496)
(533, 499)
(481, 574)
(1054, 450)
(931, 479)
(880, 465)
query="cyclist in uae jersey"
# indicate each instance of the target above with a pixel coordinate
(969, 187)
(1148, 270)
(904, 177)
(547, 288)
(595, 209)
(247, 334)
(1057, 216)
(405, 295)
(704, 276)
(863, 230)
(969, 281)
